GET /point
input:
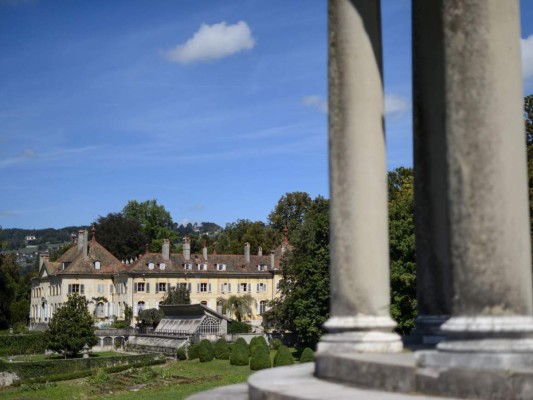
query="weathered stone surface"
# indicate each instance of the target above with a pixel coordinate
(8, 378)
(232, 392)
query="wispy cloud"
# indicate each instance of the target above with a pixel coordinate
(53, 155)
(527, 57)
(20, 157)
(316, 102)
(8, 213)
(212, 42)
(395, 105)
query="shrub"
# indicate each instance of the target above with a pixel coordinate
(260, 359)
(307, 355)
(283, 357)
(205, 351)
(239, 327)
(119, 324)
(241, 342)
(99, 378)
(181, 354)
(276, 343)
(258, 341)
(192, 351)
(239, 354)
(222, 349)
(32, 343)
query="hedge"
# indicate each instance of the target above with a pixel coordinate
(239, 327)
(192, 351)
(283, 357)
(260, 359)
(307, 356)
(258, 341)
(57, 367)
(13, 345)
(181, 354)
(239, 353)
(206, 351)
(222, 350)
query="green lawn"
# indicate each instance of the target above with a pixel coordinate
(174, 380)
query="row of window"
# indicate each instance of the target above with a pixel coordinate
(219, 267)
(200, 287)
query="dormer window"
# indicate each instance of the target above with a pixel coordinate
(221, 267)
(97, 265)
(150, 266)
(202, 267)
(162, 266)
(187, 267)
(262, 267)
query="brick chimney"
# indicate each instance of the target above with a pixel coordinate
(80, 240)
(247, 252)
(186, 248)
(85, 243)
(165, 251)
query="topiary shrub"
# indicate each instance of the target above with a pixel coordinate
(258, 341)
(260, 359)
(241, 342)
(181, 354)
(192, 351)
(307, 356)
(276, 343)
(239, 354)
(222, 349)
(283, 357)
(205, 351)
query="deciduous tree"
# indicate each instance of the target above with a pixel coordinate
(240, 306)
(122, 236)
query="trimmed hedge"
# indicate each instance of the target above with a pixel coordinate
(276, 344)
(222, 350)
(181, 354)
(239, 353)
(239, 327)
(307, 356)
(260, 359)
(283, 357)
(256, 342)
(14, 345)
(241, 342)
(192, 351)
(59, 367)
(206, 352)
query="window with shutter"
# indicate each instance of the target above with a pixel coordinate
(229, 287)
(147, 287)
(209, 288)
(134, 288)
(82, 289)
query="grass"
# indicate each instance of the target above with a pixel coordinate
(174, 380)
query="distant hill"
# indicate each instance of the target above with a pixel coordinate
(19, 238)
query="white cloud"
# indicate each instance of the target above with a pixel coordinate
(316, 102)
(212, 42)
(395, 105)
(527, 57)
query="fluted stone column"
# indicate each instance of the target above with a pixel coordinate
(433, 269)
(487, 202)
(360, 294)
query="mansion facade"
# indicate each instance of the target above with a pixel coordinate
(110, 284)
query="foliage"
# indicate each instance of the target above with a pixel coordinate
(206, 351)
(156, 222)
(120, 324)
(15, 237)
(22, 344)
(236, 234)
(35, 369)
(177, 295)
(14, 293)
(260, 359)
(181, 354)
(193, 351)
(256, 342)
(222, 351)
(276, 343)
(238, 327)
(402, 248)
(290, 212)
(283, 357)
(239, 353)
(150, 316)
(240, 306)
(128, 314)
(307, 356)
(303, 306)
(122, 236)
(71, 327)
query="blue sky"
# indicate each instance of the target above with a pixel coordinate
(215, 108)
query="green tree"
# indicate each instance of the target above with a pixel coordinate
(402, 248)
(290, 212)
(122, 236)
(9, 286)
(240, 306)
(236, 234)
(150, 317)
(303, 305)
(71, 327)
(155, 221)
(177, 295)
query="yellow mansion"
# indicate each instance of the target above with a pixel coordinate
(109, 284)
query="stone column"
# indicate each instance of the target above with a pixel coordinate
(360, 299)
(431, 208)
(487, 212)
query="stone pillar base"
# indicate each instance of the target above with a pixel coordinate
(427, 330)
(369, 334)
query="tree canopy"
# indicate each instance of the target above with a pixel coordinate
(177, 295)
(239, 306)
(236, 234)
(71, 327)
(290, 212)
(122, 236)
